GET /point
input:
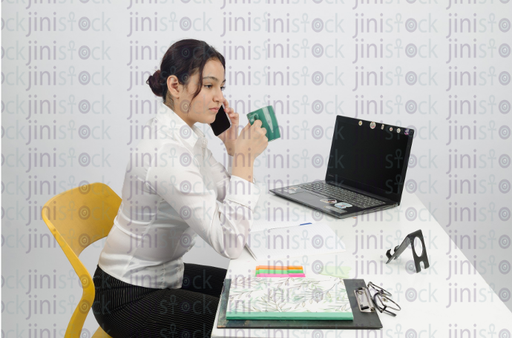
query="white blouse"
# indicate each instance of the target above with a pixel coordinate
(174, 190)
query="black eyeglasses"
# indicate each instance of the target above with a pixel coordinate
(382, 300)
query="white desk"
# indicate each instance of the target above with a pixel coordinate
(436, 303)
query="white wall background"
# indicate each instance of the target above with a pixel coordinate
(74, 96)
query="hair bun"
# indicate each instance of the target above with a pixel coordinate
(154, 83)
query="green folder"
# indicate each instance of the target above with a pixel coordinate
(285, 272)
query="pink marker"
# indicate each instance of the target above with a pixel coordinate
(281, 275)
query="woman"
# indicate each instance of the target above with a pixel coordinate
(173, 191)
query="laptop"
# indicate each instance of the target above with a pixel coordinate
(365, 172)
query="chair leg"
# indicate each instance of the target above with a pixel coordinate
(100, 334)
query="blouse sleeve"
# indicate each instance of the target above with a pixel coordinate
(222, 223)
(220, 175)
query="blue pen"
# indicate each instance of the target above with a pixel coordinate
(304, 224)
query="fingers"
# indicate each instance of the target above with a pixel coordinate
(229, 111)
(252, 138)
(257, 128)
(226, 104)
(257, 123)
(259, 136)
(233, 116)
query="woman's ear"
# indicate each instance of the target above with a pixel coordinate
(173, 86)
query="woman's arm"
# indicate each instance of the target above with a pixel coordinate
(220, 173)
(223, 224)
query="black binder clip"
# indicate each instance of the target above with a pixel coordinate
(417, 258)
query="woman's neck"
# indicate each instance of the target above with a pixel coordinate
(183, 116)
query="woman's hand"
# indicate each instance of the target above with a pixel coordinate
(252, 141)
(230, 136)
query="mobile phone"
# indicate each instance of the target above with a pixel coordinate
(221, 123)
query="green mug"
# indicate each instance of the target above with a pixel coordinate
(268, 121)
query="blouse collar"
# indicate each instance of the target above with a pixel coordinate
(192, 136)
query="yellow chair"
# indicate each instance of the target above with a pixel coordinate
(77, 218)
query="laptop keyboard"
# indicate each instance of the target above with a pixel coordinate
(343, 195)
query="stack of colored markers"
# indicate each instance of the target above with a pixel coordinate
(279, 271)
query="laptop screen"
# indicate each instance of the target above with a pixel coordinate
(370, 156)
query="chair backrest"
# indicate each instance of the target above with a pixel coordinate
(77, 218)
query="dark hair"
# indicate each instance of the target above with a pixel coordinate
(183, 59)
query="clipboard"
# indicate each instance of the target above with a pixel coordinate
(362, 320)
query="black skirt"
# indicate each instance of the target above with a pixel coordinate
(125, 310)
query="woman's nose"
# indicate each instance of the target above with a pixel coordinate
(219, 96)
